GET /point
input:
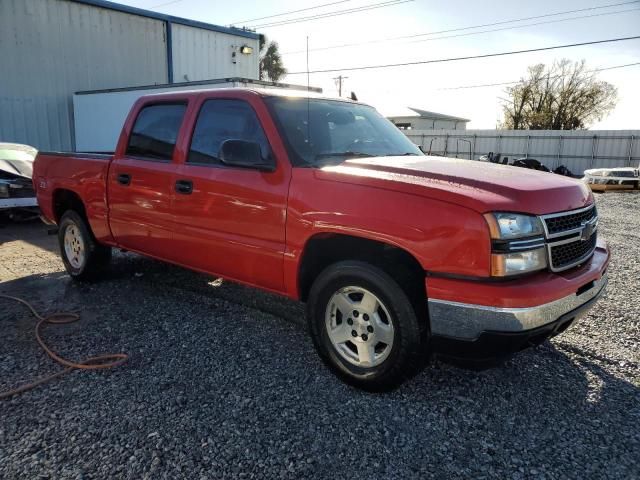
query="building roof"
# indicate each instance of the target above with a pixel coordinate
(168, 18)
(180, 85)
(419, 113)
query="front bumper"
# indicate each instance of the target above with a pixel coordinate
(483, 332)
(6, 203)
(491, 346)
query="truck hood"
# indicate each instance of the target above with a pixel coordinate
(480, 186)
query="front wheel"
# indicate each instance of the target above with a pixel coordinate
(365, 327)
(83, 257)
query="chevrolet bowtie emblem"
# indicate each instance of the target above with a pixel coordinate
(587, 230)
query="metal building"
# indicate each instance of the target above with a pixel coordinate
(98, 115)
(50, 49)
(418, 119)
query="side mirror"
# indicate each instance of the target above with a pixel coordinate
(240, 153)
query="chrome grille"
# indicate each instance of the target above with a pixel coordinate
(571, 237)
(25, 192)
(569, 221)
(569, 253)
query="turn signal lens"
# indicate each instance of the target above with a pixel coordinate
(505, 264)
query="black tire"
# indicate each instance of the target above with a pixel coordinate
(409, 350)
(96, 258)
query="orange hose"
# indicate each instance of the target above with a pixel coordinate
(97, 362)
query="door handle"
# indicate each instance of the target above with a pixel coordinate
(184, 186)
(124, 178)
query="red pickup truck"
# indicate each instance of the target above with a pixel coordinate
(397, 255)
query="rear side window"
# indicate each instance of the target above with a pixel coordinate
(155, 132)
(221, 120)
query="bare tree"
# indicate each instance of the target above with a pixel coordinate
(271, 66)
(564, 96)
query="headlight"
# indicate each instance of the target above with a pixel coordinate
(517, 244)
(504, 226)
(4, 190)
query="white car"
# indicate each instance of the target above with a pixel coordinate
(16, 188)
(602, 179)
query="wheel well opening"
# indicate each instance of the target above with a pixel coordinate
(64, 200)
(326, 249)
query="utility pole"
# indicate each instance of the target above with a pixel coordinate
(339, 79)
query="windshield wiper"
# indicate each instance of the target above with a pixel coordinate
(344, 154)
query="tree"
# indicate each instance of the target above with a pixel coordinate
(271, 66)
(564, 96)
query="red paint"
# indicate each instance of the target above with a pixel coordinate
(253, 226)
(529, 291)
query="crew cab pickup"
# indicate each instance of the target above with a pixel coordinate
(398, 255)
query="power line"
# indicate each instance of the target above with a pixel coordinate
(389, 3)
(469, 57)
(527, 25)
(460, 29)
(290, 12)
(462, 87)
(165, 4)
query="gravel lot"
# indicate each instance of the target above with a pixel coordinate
(223, 381)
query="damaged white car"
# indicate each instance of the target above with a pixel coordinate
(603, 179)
(17, 196)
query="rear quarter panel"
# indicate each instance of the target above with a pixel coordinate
(82, 174)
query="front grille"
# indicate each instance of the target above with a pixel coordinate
(568, 254)
(571, 237)
(571, 221)
(26, 192)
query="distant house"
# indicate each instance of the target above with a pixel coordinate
(417, 119)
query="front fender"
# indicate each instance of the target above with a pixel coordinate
(441, 236)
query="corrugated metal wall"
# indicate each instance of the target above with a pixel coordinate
(50, 49)
(203, 54)
(577, 150)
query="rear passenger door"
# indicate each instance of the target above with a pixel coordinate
(140, 185)
(231, 220)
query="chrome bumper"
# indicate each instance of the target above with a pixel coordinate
(6, 203)
(467, 321)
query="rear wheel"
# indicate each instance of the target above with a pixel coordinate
(365, 326)
(83, 257)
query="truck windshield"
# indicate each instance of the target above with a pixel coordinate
(320, 132)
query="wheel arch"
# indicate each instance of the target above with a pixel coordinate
(326, 248)
(65, 199)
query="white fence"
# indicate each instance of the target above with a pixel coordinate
(578, 150)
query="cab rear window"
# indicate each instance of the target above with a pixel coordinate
(155, 131)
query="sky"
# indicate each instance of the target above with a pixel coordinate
(429, 86)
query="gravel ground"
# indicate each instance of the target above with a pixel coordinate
(223, 381)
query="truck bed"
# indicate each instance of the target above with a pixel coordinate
(59, 176)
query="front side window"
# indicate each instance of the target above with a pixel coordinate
(322, 132)
(155, 131)
(221, 120)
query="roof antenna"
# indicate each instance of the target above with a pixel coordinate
(308, 101)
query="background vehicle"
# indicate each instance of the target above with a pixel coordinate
(603, 179)
(398, 255)
(17, 196)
